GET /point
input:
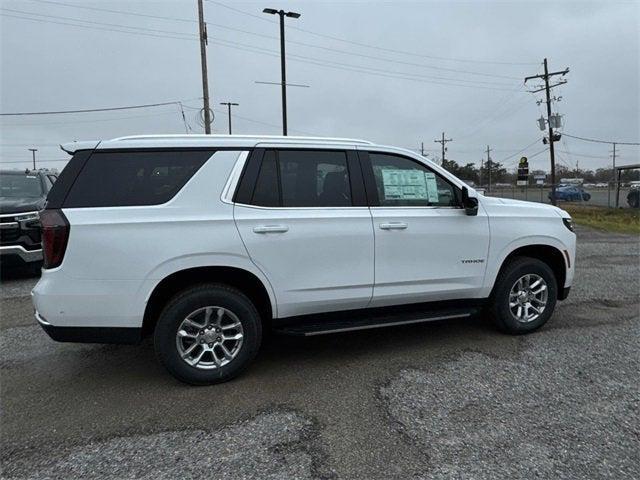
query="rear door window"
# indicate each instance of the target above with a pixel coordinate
(127, 178)
(314, 178)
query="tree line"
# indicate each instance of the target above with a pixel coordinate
(500, 174)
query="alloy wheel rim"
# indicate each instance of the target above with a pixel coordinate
(528, 298)
(209, 337)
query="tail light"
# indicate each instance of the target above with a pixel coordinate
(55, 235)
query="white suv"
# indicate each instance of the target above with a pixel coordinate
(205, 241)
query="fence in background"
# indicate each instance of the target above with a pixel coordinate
(598, 196)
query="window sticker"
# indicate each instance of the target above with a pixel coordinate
(432, 187)
(405, 184)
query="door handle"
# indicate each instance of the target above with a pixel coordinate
(271, 229)
(393, 226)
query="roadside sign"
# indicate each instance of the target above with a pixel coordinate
(523, 172)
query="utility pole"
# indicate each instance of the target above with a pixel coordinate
(283, 69)
(229, 105)
(614, 161)
(489, 166)
(443, 142)
(545, 76)
(33, 153)
(203, 63)
(480, 172)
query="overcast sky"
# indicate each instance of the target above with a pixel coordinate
(398, 73)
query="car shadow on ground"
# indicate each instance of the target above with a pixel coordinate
(19, 272)
(282, 355)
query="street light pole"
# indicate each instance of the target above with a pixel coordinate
(33, 152)
(229, 105)
(283, 68)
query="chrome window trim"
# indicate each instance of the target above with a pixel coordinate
(414, 207)
(258, 207)
(234, 177)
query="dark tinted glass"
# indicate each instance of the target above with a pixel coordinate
(402, 182)
(20, 185)
(266, 191)
(314, 178)
(113, 179)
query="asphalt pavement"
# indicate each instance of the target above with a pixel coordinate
(451, 399)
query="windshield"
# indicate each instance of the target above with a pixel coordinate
(23, 186)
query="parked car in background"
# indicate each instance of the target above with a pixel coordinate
(22, 195)
(633, 197)
(571, 193)
(205, 241)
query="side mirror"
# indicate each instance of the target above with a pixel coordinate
(470, 204)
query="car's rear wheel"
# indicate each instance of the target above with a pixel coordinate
(524, 296)
(207, 334)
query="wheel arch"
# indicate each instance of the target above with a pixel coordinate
(549, 254)
(241, 279)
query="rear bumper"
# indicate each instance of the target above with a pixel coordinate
(18, 251)
(119, 335)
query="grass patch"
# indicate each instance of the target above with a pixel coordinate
(622, 220)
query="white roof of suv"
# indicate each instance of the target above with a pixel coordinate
(194, 140)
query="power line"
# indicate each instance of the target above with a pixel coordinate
(375, 47)
(373, 57)
(498, 113)
(121, 12)
(188, 36)
(68, 122)
(107, 109)
(117, 25)
(520, 151)
(600, 141)
(226, 27)
(572, 154)
(278, 127)
(96, 27)
(304, 59)
(351, 67)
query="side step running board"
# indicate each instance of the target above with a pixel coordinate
(320, 325)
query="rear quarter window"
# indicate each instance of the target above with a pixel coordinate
(118, 179)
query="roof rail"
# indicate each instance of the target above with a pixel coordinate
(257, 138)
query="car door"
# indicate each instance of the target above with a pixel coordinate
(303, 218)
(426, 247)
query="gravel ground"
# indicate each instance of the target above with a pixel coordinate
(273, 444)
(451, 399)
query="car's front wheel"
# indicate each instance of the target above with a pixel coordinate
(524, 296)
(207, 334)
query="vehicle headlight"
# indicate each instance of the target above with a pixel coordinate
(27, 216)
(568, 223)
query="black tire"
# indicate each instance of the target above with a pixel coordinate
(499, 309)
(191, 300)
